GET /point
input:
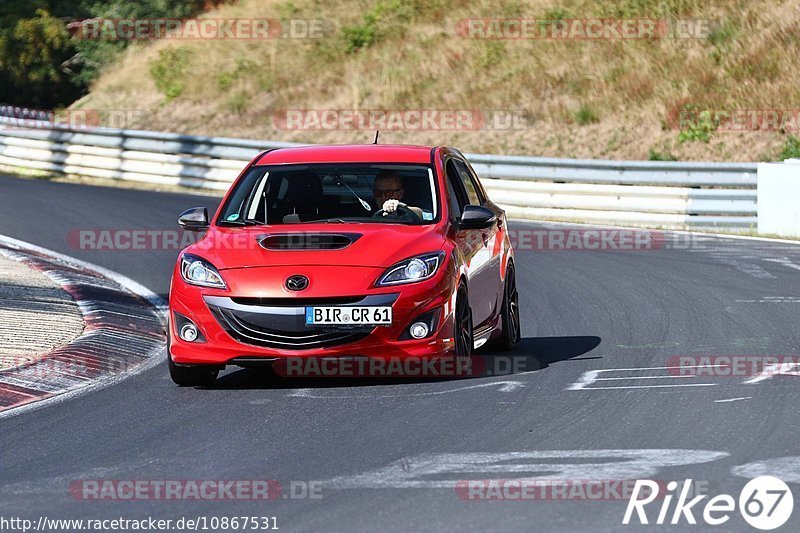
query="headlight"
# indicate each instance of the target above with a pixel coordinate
(412, 269)
(197, 271)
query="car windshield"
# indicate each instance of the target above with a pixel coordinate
(291, 194)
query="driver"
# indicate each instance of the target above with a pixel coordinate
(388, 192)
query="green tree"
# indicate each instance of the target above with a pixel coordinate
(33, 57)
(43, 65)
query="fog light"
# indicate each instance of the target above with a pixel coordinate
(189, 333)
(419, 330)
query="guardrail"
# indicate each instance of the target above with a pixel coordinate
(642, 193)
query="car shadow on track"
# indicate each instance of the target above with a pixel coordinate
(541, 352)
(531, 354)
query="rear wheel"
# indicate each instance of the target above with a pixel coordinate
(510, 312)
(192, 376)
(463, 325)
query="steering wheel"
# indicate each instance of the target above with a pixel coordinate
(402, 211)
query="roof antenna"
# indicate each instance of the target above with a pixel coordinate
(377, 132)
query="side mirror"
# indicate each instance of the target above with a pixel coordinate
(477, 217)
(194, 219)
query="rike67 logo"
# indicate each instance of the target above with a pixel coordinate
(765, 503)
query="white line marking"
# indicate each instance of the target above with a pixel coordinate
(591, 376)
(734, 399)
(260, 401)
(510, 386)
(507, 386)
(450, 470)
(769, 301)
(787, 468)
(784, 369)
(772, 300)
(655, 368)
(751, 269)
(587, 378)
(783, 261)
(649, 386)
(646, 377)
(153, 359)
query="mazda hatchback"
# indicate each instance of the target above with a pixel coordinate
(371, 251)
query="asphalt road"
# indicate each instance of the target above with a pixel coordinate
(387, 456)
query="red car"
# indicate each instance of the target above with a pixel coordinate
(339, 251)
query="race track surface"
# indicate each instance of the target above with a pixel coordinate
(375, 447)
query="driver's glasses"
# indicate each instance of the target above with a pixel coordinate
(386, 192)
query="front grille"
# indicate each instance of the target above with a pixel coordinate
(295, 302)
(246, 332)
(280, 322)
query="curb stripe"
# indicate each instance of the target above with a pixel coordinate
(124, 333)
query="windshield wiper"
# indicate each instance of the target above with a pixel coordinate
(242, 222)
(333, 220)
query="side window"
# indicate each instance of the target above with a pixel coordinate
(476, 182)
(469, 185)
(455, 194)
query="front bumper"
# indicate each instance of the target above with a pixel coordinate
(241, 328)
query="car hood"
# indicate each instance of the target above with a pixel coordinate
(362, 245)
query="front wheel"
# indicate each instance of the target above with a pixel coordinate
(510, 312)
(463, 325)
(191, 376)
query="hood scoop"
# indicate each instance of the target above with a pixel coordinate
(307, 241)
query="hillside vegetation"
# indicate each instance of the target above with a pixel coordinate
(606, 98)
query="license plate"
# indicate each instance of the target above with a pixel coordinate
(349, 316)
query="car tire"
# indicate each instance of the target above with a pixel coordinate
(462, 325)
(189, 376)
(509, 312)
(192, 376)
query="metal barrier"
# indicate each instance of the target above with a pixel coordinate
(641, 193)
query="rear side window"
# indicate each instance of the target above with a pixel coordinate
(455, 193)
(455, 207)
(469, 186)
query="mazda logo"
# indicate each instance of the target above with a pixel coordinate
(296, 282)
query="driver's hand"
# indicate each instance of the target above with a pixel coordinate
(390, 206)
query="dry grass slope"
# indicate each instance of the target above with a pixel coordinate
(590, 98)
